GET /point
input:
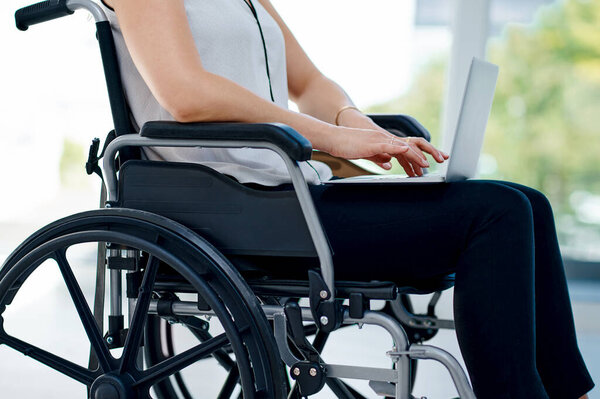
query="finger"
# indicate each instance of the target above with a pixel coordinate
(414, 147)
(391, 149)
(415, 162)
(383, 165)
(406, 166)
(416, 157)
(417, 169)
(426, 146)
(419, 152)
(380, 158)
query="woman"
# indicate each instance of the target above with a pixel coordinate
(202, 60)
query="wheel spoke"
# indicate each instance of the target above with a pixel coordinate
(140, 314)
(220, 355)
(59, 364)
(171, 352)
(176, 363)
(230, 383)
(105, 360)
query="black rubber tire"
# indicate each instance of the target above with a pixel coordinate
(247, 331)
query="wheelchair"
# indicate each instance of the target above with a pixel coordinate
(188, 242)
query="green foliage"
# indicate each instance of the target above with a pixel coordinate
(545, 122)
(424, 99)
(72, 165)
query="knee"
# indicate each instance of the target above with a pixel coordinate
(539, 202)
(505, 203)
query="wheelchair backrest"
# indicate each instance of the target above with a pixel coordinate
(237, 219)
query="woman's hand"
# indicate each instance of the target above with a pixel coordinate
(371, 144)
(420, 146)
(412, 160)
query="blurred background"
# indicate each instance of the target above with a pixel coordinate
(391, 56)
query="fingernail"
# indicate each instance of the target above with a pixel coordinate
(426, 164)
(387, 165)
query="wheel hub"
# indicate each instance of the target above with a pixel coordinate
(112, 387)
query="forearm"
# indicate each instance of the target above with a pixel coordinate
(322, 98)
(213, 98)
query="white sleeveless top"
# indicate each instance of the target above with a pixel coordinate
(229, 43)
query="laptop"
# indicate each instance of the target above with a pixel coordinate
(468, 138)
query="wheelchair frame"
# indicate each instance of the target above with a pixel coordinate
(325, 311)
(402, 351)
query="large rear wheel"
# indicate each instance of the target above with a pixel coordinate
(239, 334)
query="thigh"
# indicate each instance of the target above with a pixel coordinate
(406, 232)
(538, 200)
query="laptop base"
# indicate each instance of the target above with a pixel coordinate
(387, 179)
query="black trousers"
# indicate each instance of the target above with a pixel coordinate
(511, 305)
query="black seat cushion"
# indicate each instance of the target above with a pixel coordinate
(238, 220)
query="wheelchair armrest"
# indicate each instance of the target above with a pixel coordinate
(295, 145)
(403, 124)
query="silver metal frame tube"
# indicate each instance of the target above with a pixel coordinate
(94, 9)
(400, 376)
(450, 363)
(371, 317)
(418, 321)
(299, 183)
(400, 342)
(402, 352)
(116, 305)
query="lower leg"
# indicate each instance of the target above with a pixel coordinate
(559, 361)
(494, 299)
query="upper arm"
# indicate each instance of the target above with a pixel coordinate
(160, 41)
(300, 69)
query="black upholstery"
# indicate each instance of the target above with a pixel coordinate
(238, 220)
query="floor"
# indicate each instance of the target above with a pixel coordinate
(47, 318)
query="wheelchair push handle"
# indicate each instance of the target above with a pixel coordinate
(41, 12)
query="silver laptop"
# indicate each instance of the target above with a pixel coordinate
(468, 138)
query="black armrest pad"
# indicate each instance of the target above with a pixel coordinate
(286, 138)
(403, 123)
